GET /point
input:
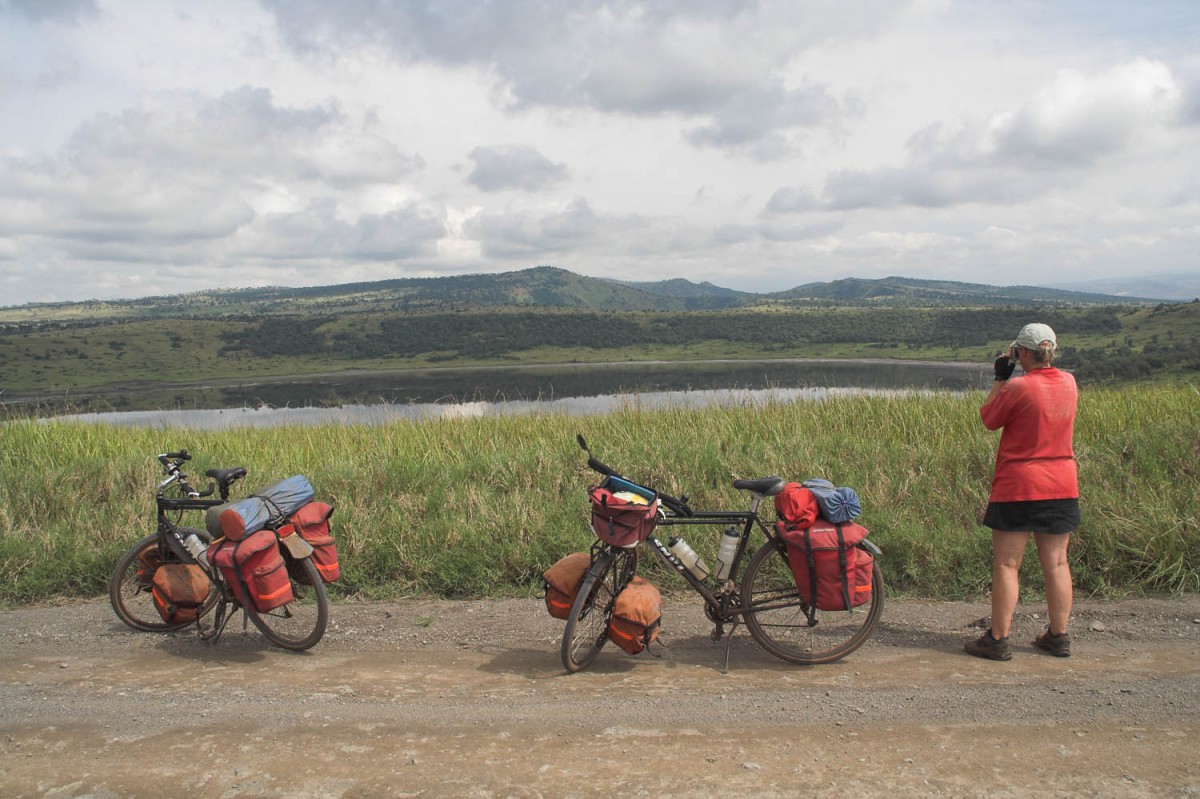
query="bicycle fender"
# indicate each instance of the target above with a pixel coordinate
(870, 547)
(297, 547)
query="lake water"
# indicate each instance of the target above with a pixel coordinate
(379, 397)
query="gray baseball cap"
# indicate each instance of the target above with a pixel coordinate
(1033, 334)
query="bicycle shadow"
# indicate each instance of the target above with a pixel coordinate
(224, 650)
(188, 645)
(905, 637)
(669, 652)
(540, 664)
(701, 650)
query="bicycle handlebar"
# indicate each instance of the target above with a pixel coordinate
(597, 466)
(677, 504)
(180, 456)
(171, 463)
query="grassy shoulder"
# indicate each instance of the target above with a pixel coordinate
(480, 507)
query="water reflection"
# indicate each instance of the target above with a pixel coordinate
(507, 386)
(382, 413)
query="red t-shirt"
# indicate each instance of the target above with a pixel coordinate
(1036, 458)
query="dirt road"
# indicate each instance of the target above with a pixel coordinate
(468, 699)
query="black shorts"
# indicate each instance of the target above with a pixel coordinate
(1034, 516)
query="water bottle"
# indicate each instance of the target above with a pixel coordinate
(197, 547)
(687, 557)
(729, 545)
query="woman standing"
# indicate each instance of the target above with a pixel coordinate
(1035, 488)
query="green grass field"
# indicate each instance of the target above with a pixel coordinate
(479, 507)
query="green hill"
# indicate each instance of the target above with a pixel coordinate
(900, 291)
(542, 286)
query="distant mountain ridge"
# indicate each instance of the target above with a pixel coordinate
(913, 291)
(1180, 287)
(552, 287)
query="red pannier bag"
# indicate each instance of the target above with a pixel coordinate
(562, 581)
(312, 523)
(636, 616)
(254, 566)
(797, 505)
(828, 565)
(179, 591)
(621, 522)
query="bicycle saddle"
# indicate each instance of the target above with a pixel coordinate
(225, 477)
(764, 486)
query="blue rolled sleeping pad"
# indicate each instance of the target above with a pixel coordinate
(837, 504)
(278, 499)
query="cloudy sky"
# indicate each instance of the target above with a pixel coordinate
(155, 147)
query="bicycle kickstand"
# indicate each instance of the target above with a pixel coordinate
(728, 643)
(219, 622)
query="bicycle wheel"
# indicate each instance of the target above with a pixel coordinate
(129, 587)
(587, 626)
(300, 623)
(775, 613)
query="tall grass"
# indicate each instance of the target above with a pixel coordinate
(471, 507)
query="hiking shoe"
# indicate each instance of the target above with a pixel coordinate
(1057, 645)
(988, 647)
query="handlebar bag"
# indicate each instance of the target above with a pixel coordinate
(831, 571)
(636, 616)
(562, 581)
(179, 591)
(622, 519)
(796, 505)
(255, 570)
(311, 522)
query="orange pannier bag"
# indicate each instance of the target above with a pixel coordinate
(179, 591)
(148, 561)
(636, 615)
(562, 581)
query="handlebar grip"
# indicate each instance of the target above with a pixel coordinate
(600, 467)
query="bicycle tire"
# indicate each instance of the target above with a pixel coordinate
(775, 613)
(130, 594)
(587, 626)
(301, 623)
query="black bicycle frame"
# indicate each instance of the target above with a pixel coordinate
(720, 605)
(167, 530)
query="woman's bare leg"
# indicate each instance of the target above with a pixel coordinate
(1052, 552)
(1008, 550)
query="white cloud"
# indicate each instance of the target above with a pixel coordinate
(753, 144)
(514, 167)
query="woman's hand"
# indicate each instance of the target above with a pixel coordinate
(1004, 367)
